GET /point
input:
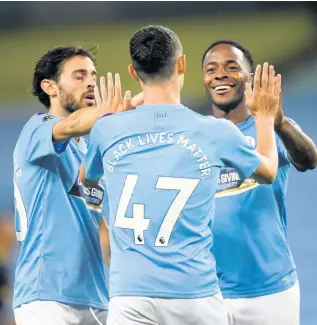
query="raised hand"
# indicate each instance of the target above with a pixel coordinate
(110, 100)
(263, 99)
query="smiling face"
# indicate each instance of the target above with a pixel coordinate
(225, 71)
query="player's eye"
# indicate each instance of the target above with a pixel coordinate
(79, 76)
(211, 70)
(232, 68)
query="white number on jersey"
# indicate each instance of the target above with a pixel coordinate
(19, 205)
(138, 223)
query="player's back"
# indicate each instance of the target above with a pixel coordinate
(161, 180)
(161, 169)
(60, 257)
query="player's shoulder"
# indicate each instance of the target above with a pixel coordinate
(203, 119)
(42, 118)
(109, 122)
(212, 123)
(37, 120)
(109, 118)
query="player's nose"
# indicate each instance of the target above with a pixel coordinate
(220, 74)
(91, 82)
(221, 77)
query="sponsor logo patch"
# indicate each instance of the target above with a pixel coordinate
(92, 195)
(229, 183)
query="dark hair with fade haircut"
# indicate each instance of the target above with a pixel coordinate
(246, 53)
(153, 52)
(50, 67)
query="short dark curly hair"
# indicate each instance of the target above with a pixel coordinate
(246, 53)
(153, 52)
(50, 67)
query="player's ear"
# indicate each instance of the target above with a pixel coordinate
(181, 64)
(49, 86)
(132, 72)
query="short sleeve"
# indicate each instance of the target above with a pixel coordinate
(93, 159)
(40, 142)
(234, 150)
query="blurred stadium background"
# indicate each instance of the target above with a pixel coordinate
(282, 33)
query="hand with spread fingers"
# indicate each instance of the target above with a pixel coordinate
(263, 99)
(110, 99)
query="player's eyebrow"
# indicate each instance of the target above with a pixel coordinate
(215, 62)
(94, 72)
(231, 61)
(211, 63)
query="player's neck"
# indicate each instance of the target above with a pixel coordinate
(159, 94)
(58, 110)
(236, 116)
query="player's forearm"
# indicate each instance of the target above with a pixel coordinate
(300, 148)
(267, 147)
(76, 124)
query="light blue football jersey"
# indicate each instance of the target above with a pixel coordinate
(251, 249)
(161, 165)
(57, 221)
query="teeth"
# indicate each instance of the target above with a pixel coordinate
(222, 88)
